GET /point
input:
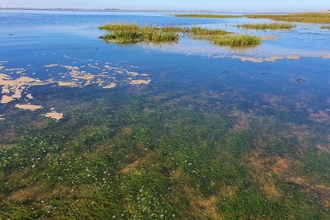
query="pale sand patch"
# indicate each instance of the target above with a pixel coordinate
(252, 59)
(68, 84)
(29, 96)
(110, 86)
(51, 65)
(269, 38)
(1, 67)
(71, 67)
(54, 115)
(6, 99)
(132, 73)
(119, 71)
(293, 57)
(28, 107)
(274, 58)
(17, 94)
(139, 82)
(87, 77)
(4, 77)
(5, 90)
(15, 86)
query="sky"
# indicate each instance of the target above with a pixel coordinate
(215, 5)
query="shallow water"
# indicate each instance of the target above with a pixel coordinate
(185, 131)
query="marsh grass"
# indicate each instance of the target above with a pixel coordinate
(296, 17)
(198, 31)
(326, 27)
(272, 26)
(205, 16)
(224, 38)
(237, 41)
(132, 33)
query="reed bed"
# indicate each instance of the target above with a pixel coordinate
(296, 17)
(266, 26)
(205, 16)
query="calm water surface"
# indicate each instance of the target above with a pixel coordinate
(182, 131)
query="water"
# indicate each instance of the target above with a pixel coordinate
(177, 131)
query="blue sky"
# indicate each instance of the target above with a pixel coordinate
(232, 5)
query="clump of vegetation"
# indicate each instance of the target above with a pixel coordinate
(272, 26)
(224, 38)
(206, 16)
(132, 33)
(325, 27)
(296, 17)
(198, 31)
(235, 41)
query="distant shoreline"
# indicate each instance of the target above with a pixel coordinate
(106, 10)
(152, 10)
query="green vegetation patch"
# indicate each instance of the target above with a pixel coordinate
(224, 38)
(237, 41)
(205, 16)
(132, 33)
(272, 26)
(325, 27)
(296, 17)
(158, 156)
